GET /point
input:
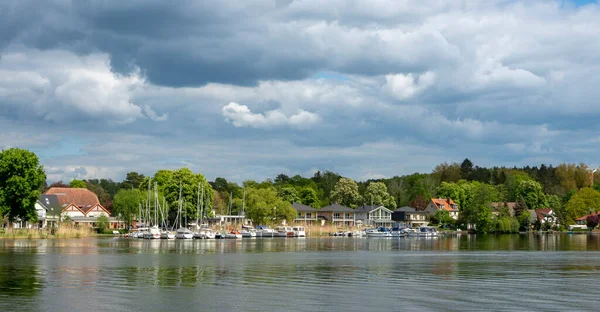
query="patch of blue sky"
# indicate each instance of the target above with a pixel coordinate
(579, 2)
(327, 75)
(67, 147)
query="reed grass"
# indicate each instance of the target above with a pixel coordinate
(60, 232)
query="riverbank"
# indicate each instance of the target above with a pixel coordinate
(61, 232)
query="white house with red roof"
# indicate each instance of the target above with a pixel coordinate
(79, 204)
(438, 204)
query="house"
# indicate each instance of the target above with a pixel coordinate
(438, 204)
(410, 216)
(546, 215)
(338, 215)
(497, 206)
(78, 204)
(583, 220)
(376, 215)
(307, 214)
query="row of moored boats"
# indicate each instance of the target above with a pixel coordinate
(423, 231)
(208, 233)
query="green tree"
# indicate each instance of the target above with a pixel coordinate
(346, 193)
(132, 180)
(455, 191)
(466, 168)
(532, 192)
(264, 206)
(102, 223)
(21, 178)
(289, 194)
(126, 204)
(445, 172)
(584, 202)
(309, 197)
(77, 184)
(520, 207)
(377, 194)
(169, 182)
(444, 219)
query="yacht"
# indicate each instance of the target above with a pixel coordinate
(167, 235)
(423, 231)
(299, 231)
(233, 234)
(284, 231)
(248, 231)
(153, 233)
(265, 231)
(184, 233)
(378, 232)
(398, 232)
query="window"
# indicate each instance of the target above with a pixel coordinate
(337, 215)
(309, 215)
(348, 215)
(299, 215)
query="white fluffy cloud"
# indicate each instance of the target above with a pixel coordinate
(406, 86)
(242, 116)
(60, 86)
(500, 82)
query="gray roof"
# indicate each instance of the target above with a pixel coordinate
(406, 209)
(49, 202)
(303, 208)
(367, 208)
(336, 208)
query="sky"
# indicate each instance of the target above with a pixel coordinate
(250, 89)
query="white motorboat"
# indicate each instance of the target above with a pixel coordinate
(140, 233)
(184, 233)
(167, 235)
(398, 232)
(153, 233)
(423, 231)
(233, 234)
(378, 232)
(248, 232)
(265, 231)
(284, 231)
(299, 231)
(209, 234)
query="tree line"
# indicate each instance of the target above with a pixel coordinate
(571, 190)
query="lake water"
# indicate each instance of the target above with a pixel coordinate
(509, 273)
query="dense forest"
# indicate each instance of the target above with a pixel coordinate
(569, 189)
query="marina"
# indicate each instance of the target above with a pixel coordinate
(549, 271)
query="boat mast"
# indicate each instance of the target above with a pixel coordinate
(198, 205)
(244, 203)
(202, 205)
(180, 224)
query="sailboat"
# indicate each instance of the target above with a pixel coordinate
(182, 232)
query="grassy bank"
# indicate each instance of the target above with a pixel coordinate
(61, 232)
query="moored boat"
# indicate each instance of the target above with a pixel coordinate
(248, 231)
(184, 233)
(233, 234)
(284, 231)
(265, 231)
(378, 232)
(299, 231)
(423, 231)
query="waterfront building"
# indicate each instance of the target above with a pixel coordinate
(438, 204)
(376, 215)
(78, 204)
(410, 216)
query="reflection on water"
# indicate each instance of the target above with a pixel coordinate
(447, 273)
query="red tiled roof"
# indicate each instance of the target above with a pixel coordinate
(438, 202)
(585, 217)
(80, 197)
(542, 212)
